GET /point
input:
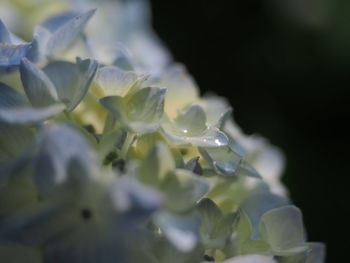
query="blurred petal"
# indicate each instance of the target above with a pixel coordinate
(19, 254)
(216, 227)
(13, 141)
(217, 109)
(64, 30)
(135, 202)
(4, 33)
(29, 115)
(181, 230)
(158, 162)
(258, 204)
(251, 259)
(183, 189)
(317, 253)
(60, 145)
(283, 229)
(182, 89)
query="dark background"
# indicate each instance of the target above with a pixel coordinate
(285, 66)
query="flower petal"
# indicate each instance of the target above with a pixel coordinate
(317, 253)
(183, 189)
(140, 111)
(30, 115)
(11, 55)
(4, 33)
(259, 203)
(13, 140)
(146, 105)
(64, 32)
(251, 259)
(191, 121)
(19, 254)
(38, 87)
(226, 162)
(115, 81)
(133, 201)
(283, 229)
(72, 81)
(181, 230)
(10, 98)
(60, 145)
(158, 162)
(210, 137)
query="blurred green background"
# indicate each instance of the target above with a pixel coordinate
(285, 66)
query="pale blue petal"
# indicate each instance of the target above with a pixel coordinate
(115, 81)
(216, 227)
(222, 159)
(64, 33)
(259, 203)
(54, 22)
(251, 258)
(217, 109)
(59, 146)
(72, 81)
(183, 189)
(317, 253)
(11, 50)
(313, 253)
(146, 105)
(29, 115)
(4, 33)
(10, 98)
(163, 250)
(116, 106)
(38, 49)
(282, 228)
(133, 201)
(38, 87)
(181, 230)
(123, 60)
(11, 55)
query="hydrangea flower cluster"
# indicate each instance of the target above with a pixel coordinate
(108, 153)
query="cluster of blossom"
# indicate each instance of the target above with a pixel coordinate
(109, 154)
